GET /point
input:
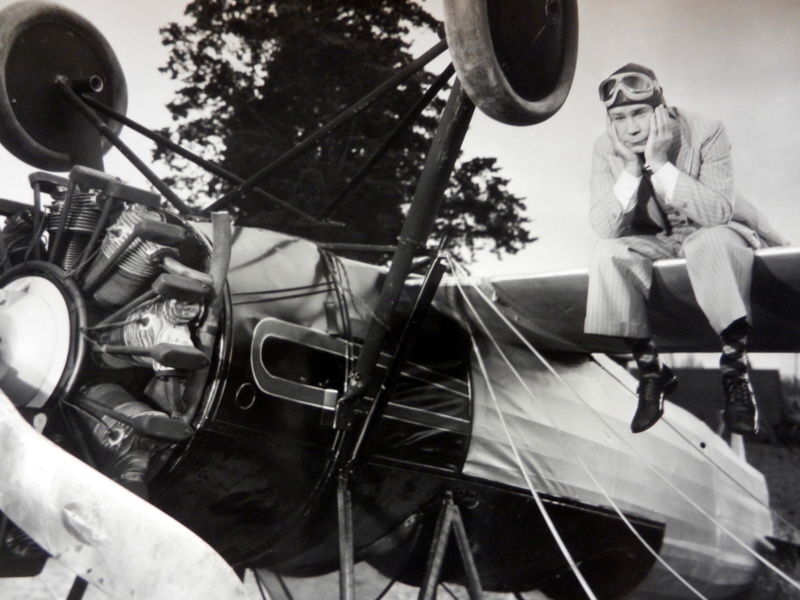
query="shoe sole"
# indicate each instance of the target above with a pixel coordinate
(754, 430)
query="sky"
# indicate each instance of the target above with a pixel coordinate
(735, 60)
(730, 59)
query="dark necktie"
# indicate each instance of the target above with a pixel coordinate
(649, 216)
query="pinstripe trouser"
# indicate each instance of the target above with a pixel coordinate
(720, 266)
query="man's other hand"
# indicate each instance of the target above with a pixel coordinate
(662, 133)
(631, 161)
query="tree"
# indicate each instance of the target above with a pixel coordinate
(259, 75)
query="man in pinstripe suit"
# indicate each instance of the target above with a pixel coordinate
(662, 187)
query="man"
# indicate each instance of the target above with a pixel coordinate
(662, 187)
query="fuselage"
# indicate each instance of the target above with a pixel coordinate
(254, 481)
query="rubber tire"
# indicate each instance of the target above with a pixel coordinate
(501, 92)
(32, 114)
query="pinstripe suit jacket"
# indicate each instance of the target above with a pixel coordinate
(704, 192)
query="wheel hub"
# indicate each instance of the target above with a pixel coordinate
(35, 332)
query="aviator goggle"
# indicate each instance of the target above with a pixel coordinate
(635, 86)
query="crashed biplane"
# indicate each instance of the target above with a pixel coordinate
(185, 398)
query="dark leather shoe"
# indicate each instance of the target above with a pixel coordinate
(741, 412)
(653, 388)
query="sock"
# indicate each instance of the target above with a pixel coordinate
(733, 361)
(645, 355)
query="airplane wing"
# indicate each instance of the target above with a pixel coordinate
(108, 536)
(550, 308)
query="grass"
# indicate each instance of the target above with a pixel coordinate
(781, 468)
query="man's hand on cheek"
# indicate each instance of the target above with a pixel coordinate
(660, 139)
(628, 156)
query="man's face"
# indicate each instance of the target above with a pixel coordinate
(632, 124)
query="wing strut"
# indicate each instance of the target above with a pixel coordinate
(449, 520)
(416, 229)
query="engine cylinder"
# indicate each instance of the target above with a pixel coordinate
(81, 221)
(134, 269)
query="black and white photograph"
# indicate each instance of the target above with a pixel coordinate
(399, 299)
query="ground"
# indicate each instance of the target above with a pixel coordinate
(781, 467)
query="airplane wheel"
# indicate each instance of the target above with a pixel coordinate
(38, 42)
(515, 59)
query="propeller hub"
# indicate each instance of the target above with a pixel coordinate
(35, 339)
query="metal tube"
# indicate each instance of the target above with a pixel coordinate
(116, 315)
(38, 217)
(83, 261)
(424, 299)
(427, 590)
(62, 222)
(78, 589)
(345, 116)
(90, 284)
(106, 131)
(416, 229)
(401, 126)
(192, 157)
(222, 240)
(356, 247)
(344, 504)
(473, 579)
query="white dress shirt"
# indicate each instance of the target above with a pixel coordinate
(663, 180)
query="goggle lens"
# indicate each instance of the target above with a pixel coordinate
(637, 83)
(634, 85)
(607, 88)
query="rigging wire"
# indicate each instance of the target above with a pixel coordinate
(386, 589)
(536, 497)
(562, 439)
(448, 590)
(284, 587)
(279, 298)
(719, 467)
(296, 288)
(655, 471)
(262, 588)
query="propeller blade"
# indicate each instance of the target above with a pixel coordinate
(116, 541)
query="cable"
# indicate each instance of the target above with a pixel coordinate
(296, 288)
(279, 298)
(564, 442)
(284, 586)
(262, 588)
(386, 589)
(539, 504)
(719, 467)
(699, 508)
(447, 589)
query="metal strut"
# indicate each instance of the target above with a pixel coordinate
(397, 78)
(344, 505)
(78, 589)
(417, 227)
(65, 87)
(449, 520)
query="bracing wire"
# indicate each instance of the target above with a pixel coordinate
(448, 590)
(262, 589)
(719, 467)
(563, 441)
(536, 497)
(655, 471)
(284, 587)
(386, 589)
